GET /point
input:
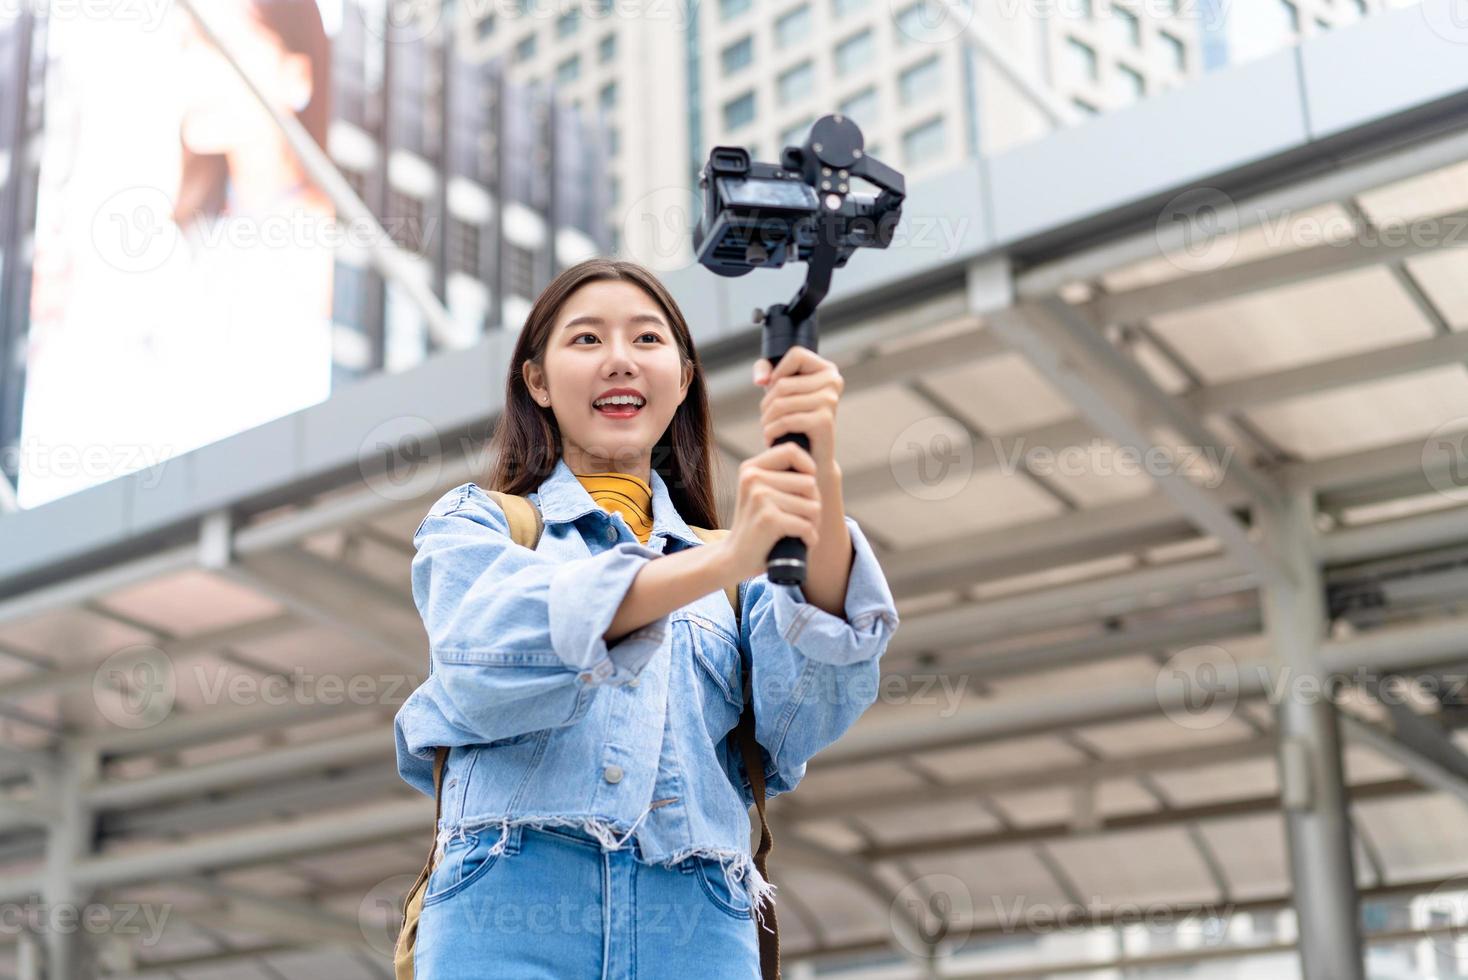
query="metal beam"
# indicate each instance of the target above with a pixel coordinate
(1390, 649)
(1416, 238)
(1422, 765)
(1269, 208)
(274, 764)
(1319, 376)
(1036, 330)
(860, 873)
(1102, 597)
(375, 614)
(869, 802)
(264, 844)
(81, 677)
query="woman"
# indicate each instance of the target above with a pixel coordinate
(595, 805)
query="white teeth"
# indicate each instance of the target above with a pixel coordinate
(619, 400)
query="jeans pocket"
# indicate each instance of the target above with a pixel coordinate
(710, 875)
(465, 860)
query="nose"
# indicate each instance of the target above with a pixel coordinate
(619, 358)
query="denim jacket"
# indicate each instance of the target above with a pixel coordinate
(548, 725)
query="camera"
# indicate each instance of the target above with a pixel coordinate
(761, 215)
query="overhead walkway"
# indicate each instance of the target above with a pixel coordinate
(1140, 488)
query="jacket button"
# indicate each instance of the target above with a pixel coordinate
(611, 532)
(612, 774)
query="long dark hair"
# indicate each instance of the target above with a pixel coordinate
(526, 444)
(204, 179)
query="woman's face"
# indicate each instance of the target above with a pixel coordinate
(220, 113)
(610, 334)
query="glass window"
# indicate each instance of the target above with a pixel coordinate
(1080, 61)
(919, 81)
(925, 21)
(486, 26)
(568, 23)
(1177, 52)
(792, 27)
(797, 83)
(854, 52)
(1130, 84)
(607, 49)
(739, 112)
(738, 55)
(1128, 27)
(614, 140)
(569, 70)
(861, 107)
(525, 49)
(607, 98)
(733, 8)
(924, 142)
(1255, 28)
(519, 271)
(844, 7)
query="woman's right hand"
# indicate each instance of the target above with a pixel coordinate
(778, 498)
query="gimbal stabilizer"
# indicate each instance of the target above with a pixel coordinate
(755, 213)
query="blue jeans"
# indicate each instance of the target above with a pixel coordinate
(554, 904)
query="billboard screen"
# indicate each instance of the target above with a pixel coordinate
(183, 263)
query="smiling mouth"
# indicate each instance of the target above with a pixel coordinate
(619, 411)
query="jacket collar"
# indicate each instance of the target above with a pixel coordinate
(562, 499)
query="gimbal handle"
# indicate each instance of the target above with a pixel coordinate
(787, 561)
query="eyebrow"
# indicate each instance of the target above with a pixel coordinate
(598, 321)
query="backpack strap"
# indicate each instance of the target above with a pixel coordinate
(406, 944)
(524, 517)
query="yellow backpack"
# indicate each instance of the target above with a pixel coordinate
(525, 529)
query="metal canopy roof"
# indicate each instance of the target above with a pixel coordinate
(1029, 746)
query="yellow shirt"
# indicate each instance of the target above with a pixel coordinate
(628, 495)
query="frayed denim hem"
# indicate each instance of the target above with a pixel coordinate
(738, 867)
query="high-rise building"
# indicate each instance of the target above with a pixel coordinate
(22, 68)
(674, 79)
(487, 186)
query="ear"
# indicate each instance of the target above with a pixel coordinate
(687, 381)
(534, 378)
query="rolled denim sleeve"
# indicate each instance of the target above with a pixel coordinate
(813, 674)
(516, 639)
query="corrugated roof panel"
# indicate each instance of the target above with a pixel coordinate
(1289, 326)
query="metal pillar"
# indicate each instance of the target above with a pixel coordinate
(68, 842)
(28, 957)
(1317, 830)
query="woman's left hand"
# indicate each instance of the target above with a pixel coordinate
(801, 395)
